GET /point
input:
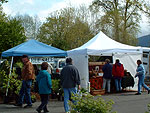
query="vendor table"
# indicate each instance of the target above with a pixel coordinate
(96, 82)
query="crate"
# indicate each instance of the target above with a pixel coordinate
(97, 92)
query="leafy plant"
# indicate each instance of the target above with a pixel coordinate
(83, 90)
(88, 104)
(9, 81)
(55, 85)
(14, 84)
(19, 64)
(148, 108)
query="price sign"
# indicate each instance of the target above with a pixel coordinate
(39, 60)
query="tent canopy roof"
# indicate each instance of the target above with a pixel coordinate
(102, 44)
(34, 48)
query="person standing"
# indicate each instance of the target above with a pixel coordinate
(118, 73)
(69, 79)
(45, 84)
(107, 70)
(140, 73)
(28, 75)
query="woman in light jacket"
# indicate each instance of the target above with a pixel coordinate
(140, 73)
(45, 84)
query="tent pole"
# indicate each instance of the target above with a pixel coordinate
(9, 74)
(89, 86)
(0, 60)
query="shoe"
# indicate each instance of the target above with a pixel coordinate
(137, 93)
(18, 105)
(38, 110)
(46, 111)
(148, 91)
(27, 106)
(117, 92)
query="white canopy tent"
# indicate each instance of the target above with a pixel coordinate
(101, 45)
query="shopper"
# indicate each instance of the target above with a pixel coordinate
(45, 84)
(69, 79)
(28, 75)
(118, 73)
(140, 73)
(107, 70)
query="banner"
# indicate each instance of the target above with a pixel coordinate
(39, 60)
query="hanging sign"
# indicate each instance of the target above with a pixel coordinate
(39, 60)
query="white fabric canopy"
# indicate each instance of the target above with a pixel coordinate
(101, 45)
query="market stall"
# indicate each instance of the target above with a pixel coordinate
(102, 45)
(33, 48)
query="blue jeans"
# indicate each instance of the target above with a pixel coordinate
(67, 95)
(106, 81)
(118, 84)
(141, 83)
(25, 91)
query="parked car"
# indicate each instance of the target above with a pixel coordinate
(37, 68)
(58, 66)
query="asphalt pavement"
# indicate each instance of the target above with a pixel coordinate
(125, 102)
(128, 102)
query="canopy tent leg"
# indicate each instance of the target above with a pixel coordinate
(9, 74)
(0, 60)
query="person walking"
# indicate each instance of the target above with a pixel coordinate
(107, 70)
(118, 73)
(45, 84)
(140, 73)
(28, 75)
(69, 79)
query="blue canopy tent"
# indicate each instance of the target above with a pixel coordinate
(32, 48)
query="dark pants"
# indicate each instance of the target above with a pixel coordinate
(25, 91)
(44, 101)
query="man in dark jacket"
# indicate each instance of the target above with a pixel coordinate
(107, 70)
(69, 79)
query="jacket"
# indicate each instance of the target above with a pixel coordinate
(69, 76)
(28, 72)
(118, 70)
(107, 70)
(44, 82)
(140, 70)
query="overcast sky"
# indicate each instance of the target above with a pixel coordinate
(42, 8)
(38, 7)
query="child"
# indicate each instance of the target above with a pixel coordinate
(45, 84)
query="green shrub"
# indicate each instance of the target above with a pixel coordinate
(89, 104)
(148, 109)
(19, 64)
(83, 90)
(55, 85)
(14, 84)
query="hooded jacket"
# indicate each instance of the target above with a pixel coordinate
(44, 82)
(118, 70)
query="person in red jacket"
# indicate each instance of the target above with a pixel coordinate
(118, 73)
